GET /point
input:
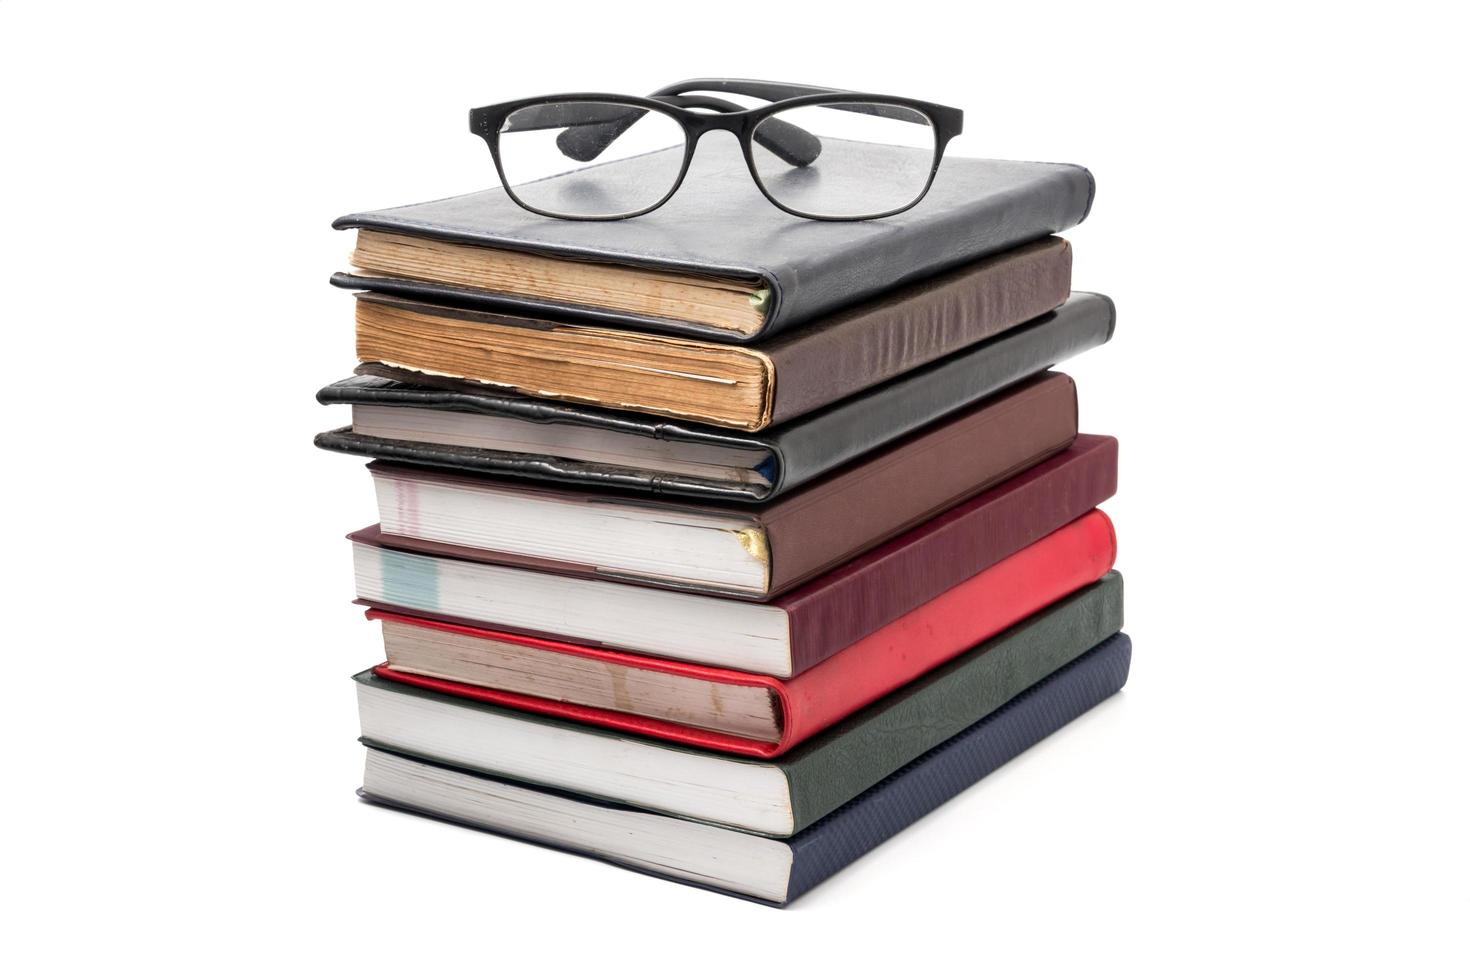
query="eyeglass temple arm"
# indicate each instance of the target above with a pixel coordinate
(791, 144)
(769, 91)
(589, 130)
(776, 91)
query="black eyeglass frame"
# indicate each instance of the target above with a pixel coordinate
(674, 102)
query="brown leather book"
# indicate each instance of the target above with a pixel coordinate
(751, 551)
(745, 387)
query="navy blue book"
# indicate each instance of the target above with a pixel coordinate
(764, 869)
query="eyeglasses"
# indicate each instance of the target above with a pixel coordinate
(820, 153)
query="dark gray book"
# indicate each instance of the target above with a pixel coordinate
(564, 443)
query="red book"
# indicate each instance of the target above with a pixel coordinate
(906, 648)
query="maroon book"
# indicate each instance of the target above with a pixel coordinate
(754, 551)
(863, 595)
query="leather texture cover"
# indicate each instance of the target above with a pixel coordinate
(975, 610)
(836, 765)
(841, 607)
(920, 787)
(720, 225)
(829, 359)
(831, 520)
(799, 451)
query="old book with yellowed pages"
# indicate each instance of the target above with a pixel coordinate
(669, 295)
(727, 385)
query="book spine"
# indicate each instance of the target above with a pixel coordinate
(858, 753)
(977, 609)
(829, 522)
(901, 331)
(820, 442)
(842, 607)
(949, 769)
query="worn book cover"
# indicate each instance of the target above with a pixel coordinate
(758, 466)
(740, 387)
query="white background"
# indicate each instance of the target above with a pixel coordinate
(1282, 788)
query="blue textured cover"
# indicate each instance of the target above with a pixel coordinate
(948, 769)
(847, 834)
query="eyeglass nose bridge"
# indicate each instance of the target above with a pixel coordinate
(718, 123)
(792, 144)
(730, 117)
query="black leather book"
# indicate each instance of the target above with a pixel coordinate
(761, 869)
(566, 443)
(717, 260)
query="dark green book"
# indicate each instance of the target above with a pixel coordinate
(777, 798)
(763, 869)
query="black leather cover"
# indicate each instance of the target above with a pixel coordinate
(719, 224)
(918, 788)
(800, 450)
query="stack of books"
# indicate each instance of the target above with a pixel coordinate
(722, 544)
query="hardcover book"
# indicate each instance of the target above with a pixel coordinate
(755, 550)
(397, 419)
(731, 711)
(783, 637)
(716, 261)
(747, 865)
(777, 797)
(748, 388)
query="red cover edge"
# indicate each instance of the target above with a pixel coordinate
(653, 727)
(977, 609)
